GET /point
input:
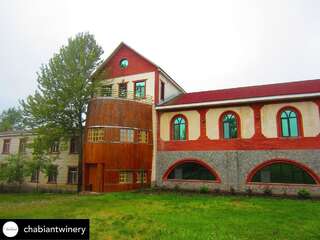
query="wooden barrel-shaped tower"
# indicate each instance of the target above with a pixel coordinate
(117, 145)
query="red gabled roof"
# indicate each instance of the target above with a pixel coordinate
(278, 89)
(124, 45)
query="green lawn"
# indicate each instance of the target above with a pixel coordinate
(173, 216)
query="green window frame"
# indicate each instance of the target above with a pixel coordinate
(179, 129)
(289, 123)
(230, 126)
(140, 89)
(283, 173)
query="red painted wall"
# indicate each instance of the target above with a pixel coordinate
(137, 64)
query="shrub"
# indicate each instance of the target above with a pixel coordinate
(204, 189)
(304, 194)
(232, 191)
(249, 191)
(217, 190)
(267, 192)
(176, 188)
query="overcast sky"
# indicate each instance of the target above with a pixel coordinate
(203, 45)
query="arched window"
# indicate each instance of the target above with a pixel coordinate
(191, 171)
(289, 123)
(282, 172)
(230, 125)
(179, 128)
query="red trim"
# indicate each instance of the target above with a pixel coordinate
(221, 125)
(193, 160)
(257, 120)
(273, 161)
(203, 125)
(172, 126)
(299, 119)
(156, 87)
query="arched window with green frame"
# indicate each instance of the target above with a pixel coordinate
(289, 123)
(282, 172)
(230, 126)
(179, 128)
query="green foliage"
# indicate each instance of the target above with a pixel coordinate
(64, 88)
(204, 189)
(15, 169)
(267, 192)
(58, 108)
(50, 169)
(11, 119)
(304, 194)
(249, 191)
(41, 159)
(173, 216)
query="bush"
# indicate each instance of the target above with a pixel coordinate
(232, 191)
(217, 190)
(249, 191)
(304, 194)
(204, 189)
(267, 192)
(176, 188)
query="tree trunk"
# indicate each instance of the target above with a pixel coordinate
(80, 156)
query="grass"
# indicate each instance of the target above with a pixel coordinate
(173, 215)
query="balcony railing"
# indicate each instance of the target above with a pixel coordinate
(121, 94)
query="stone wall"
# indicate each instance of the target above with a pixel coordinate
(233, 168)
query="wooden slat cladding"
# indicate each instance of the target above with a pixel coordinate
(119, 113)
(103, 161)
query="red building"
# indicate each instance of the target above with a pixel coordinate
(142, 127)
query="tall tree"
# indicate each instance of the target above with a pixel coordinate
(58, 107)
(11, 119)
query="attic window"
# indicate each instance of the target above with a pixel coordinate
(124, 63)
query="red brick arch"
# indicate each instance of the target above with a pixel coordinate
(273, 161)
(191, 160)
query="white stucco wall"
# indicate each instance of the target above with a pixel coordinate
(193, 118)
(246, 121)
(170, 91)
(310, 118)
(149, 77)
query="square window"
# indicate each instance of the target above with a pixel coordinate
(140, 89)
(125, 177)
(72, 175)
(141, 177)
(127, 135)
(143, 136)
(6, 146)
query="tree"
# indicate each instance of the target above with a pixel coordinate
(58, 108)
(41, 160)
(15, 169)
(11, 119)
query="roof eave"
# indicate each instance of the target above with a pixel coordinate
(239, 101)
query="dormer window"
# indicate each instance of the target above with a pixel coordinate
(124, 63)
